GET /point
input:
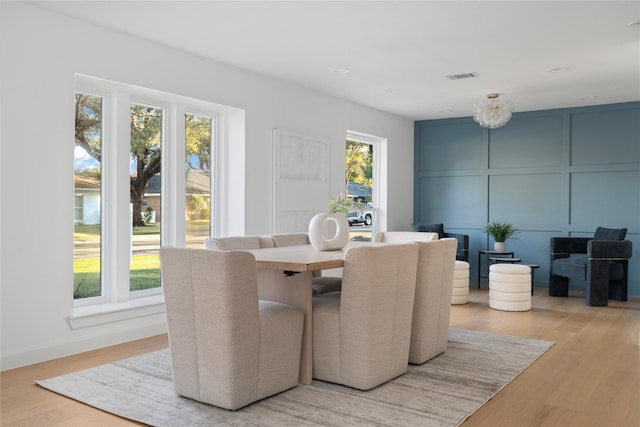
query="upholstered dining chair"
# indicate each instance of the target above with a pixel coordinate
(238, 243)
(432, 306)
(320, 283)
(403, 236)
(361, 335)
(289, 239)
(228, 348)
(601, 261)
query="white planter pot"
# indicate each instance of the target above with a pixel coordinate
(499, 246)
(323, 225)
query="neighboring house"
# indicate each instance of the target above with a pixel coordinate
(86, 202)
(358, 192)
(87, 195)
(197, 181)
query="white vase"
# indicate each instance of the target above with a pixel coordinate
(321, 227)
(499, 246)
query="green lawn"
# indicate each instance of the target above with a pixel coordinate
(145, 269)
(94, 229)
(145, 274)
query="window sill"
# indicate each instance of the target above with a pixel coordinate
(85, 317)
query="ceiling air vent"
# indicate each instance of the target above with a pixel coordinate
(462, 76)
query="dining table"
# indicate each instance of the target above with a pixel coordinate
(285, 275)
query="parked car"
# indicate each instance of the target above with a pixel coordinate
(361, 216)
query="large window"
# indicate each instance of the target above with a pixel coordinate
(143, 171)
(365, 184)
(198, 130)
(87, 201)
(146, 196)
(359, 189)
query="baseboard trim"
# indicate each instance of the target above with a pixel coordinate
(69, 349)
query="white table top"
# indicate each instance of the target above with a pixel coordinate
(302, 258)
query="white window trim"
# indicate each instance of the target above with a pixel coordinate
(379, 174)
(117, 303)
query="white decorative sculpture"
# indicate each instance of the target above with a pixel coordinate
(317, 231)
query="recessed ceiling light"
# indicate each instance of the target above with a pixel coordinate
(340, 71)
(446, 111)
(557, 70)
(390, 91)
(589, 97)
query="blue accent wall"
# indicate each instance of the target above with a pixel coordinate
(550, 173)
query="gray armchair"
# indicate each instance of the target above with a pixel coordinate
(603, 261)
(462, 252)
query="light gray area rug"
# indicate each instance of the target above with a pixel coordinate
(442, 392)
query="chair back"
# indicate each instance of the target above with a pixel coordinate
(238, 243)
(289, 239)
(298, 239)
(376, 302)
(403, 236)
(213, 321)
(432, 306)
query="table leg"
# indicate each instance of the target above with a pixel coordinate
(479, 257)
(533, 275)
(297, 291)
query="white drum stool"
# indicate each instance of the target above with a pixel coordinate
(460, 294)
(510, 287)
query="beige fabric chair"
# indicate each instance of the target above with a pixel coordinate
(321, 284)
(361, 335)
(289, 239)
(403, 236)
(228, 349)
(432, 307)
(238, 243)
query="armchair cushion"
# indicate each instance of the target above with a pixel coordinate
(575, 266)
(603, 233)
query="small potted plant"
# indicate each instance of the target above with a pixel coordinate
(339, 205)
(500, 231)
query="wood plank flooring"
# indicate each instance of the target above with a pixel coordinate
(590, 377)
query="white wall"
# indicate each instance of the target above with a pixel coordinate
(40, 52)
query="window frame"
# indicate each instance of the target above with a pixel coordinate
(379, 175)
(115, 240)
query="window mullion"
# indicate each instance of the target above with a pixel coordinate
(173, 160)
(118, 206)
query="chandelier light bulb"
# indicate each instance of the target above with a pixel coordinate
(492, 113)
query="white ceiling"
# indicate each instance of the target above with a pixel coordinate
(399, 53)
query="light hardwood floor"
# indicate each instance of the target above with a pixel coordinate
(590, 377)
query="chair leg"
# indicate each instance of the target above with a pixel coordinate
(558, 286)
(618, 288)
(598, 283)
